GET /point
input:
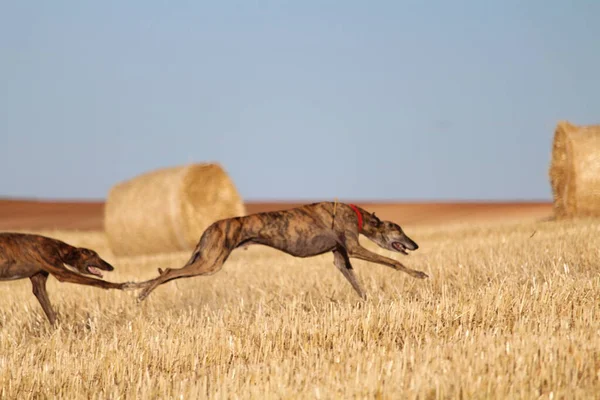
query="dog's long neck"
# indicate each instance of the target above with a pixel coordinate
(364, 224)
(359, 215)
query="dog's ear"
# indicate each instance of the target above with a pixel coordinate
(376, 220)
(69, 254)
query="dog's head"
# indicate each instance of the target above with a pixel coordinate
(86, 261)
(388, 235)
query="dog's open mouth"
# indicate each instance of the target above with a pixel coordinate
(94, 271)
(400, 247)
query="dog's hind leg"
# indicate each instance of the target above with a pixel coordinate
(38, 282)
(208, 258)
(199, 267)
(342, 262)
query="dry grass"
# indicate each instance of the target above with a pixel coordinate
(504, 315)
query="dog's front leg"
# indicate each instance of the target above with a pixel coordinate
(65, 275)
(342, 262)
(38, 282)
(357, 251)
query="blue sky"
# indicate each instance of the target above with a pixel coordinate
(387, 100)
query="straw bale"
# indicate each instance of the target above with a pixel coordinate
(166, 210)
(575, 170)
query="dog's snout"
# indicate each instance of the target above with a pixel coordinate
(411, 244)
(108, 267)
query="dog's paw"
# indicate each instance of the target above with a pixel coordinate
(129, 286)
(419, 274)
(143, 296)
(144, 293)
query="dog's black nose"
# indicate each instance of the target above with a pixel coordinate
(412, 245)
(108, 267)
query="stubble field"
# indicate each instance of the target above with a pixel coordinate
(509, 311)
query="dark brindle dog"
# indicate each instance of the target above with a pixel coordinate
(35, 257)
(305, 231)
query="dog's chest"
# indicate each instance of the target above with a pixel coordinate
(308, 246)
(14, 271)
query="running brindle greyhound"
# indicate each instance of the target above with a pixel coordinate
(35, 257)
(305, 231)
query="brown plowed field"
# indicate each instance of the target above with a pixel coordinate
(33, 214)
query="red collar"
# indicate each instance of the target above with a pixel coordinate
(359, 216)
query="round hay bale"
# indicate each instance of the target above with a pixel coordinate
(575, 170)
(166, 210)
